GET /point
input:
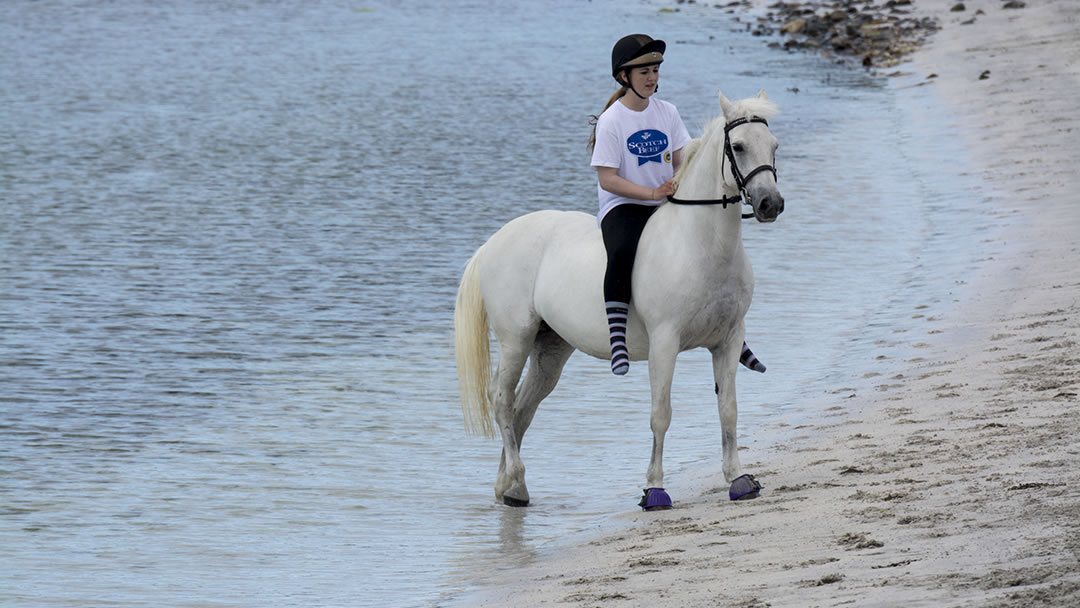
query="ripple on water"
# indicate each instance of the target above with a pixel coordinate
(229, 251)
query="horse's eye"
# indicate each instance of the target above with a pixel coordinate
(737, 148)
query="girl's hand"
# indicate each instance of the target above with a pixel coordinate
(664, 190)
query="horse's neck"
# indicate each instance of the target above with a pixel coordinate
(704, 180)
(703, 177)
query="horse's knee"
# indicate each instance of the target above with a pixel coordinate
(660, 420)
(660, 425)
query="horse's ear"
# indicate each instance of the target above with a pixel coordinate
(761, 95)
(725, 105)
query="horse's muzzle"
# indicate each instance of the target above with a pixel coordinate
(769, 207)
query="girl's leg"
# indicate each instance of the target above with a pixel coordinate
(621, 229)
(748, 359)
(618, 314)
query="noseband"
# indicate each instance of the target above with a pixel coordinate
(740, 180)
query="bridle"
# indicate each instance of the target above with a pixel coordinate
(740, 179)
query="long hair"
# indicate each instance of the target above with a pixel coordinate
(595, 117)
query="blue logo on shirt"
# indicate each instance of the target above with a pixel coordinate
(647, 146)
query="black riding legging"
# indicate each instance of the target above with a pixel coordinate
(621, 228)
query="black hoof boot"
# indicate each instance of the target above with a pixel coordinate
(514, 502)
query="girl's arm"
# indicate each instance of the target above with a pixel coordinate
(613, 183)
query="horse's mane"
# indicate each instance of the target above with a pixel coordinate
(751, 106)
(688, 152)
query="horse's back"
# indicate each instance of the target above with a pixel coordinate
(569, 294)
(518, 248)
(512, 261)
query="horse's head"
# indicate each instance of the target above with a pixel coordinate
(749, 155)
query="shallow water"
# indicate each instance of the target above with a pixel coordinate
(230, 241)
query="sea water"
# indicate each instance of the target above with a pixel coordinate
(230, 239)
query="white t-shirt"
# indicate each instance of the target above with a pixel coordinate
(639, 145)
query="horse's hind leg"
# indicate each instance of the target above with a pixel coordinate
(510, 483)
(549, 354)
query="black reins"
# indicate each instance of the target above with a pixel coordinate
(740, 180)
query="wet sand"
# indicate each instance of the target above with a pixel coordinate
(951, 478)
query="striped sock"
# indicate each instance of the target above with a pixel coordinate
(617, 313)
(748, 359)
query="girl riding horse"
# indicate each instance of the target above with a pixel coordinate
(636, 144)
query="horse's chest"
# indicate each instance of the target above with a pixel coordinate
(719, 305)
(717, 290)
(701, 302)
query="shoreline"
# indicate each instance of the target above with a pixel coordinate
(948, 479)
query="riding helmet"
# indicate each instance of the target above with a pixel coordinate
(636, 50)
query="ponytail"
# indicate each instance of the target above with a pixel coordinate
(593, 118)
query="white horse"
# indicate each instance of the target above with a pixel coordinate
(537, 283)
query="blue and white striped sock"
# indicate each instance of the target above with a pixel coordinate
(617, 314)
(748, 359)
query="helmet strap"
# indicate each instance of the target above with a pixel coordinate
(626, 75)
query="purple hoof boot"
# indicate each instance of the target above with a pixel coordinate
(655, 499)
(744, 487)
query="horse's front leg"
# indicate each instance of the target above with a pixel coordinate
(725, 361)
(663, 349)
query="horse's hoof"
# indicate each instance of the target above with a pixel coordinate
(510, 501)
(744, 487)
(655, 499)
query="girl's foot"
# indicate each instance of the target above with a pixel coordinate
(748, 359)
(617, 313)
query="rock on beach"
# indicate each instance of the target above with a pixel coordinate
(879, 35)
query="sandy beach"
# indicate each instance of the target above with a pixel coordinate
(951, 478)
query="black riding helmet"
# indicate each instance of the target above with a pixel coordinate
(635, 51)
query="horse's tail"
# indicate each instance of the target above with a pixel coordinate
(473, 350)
